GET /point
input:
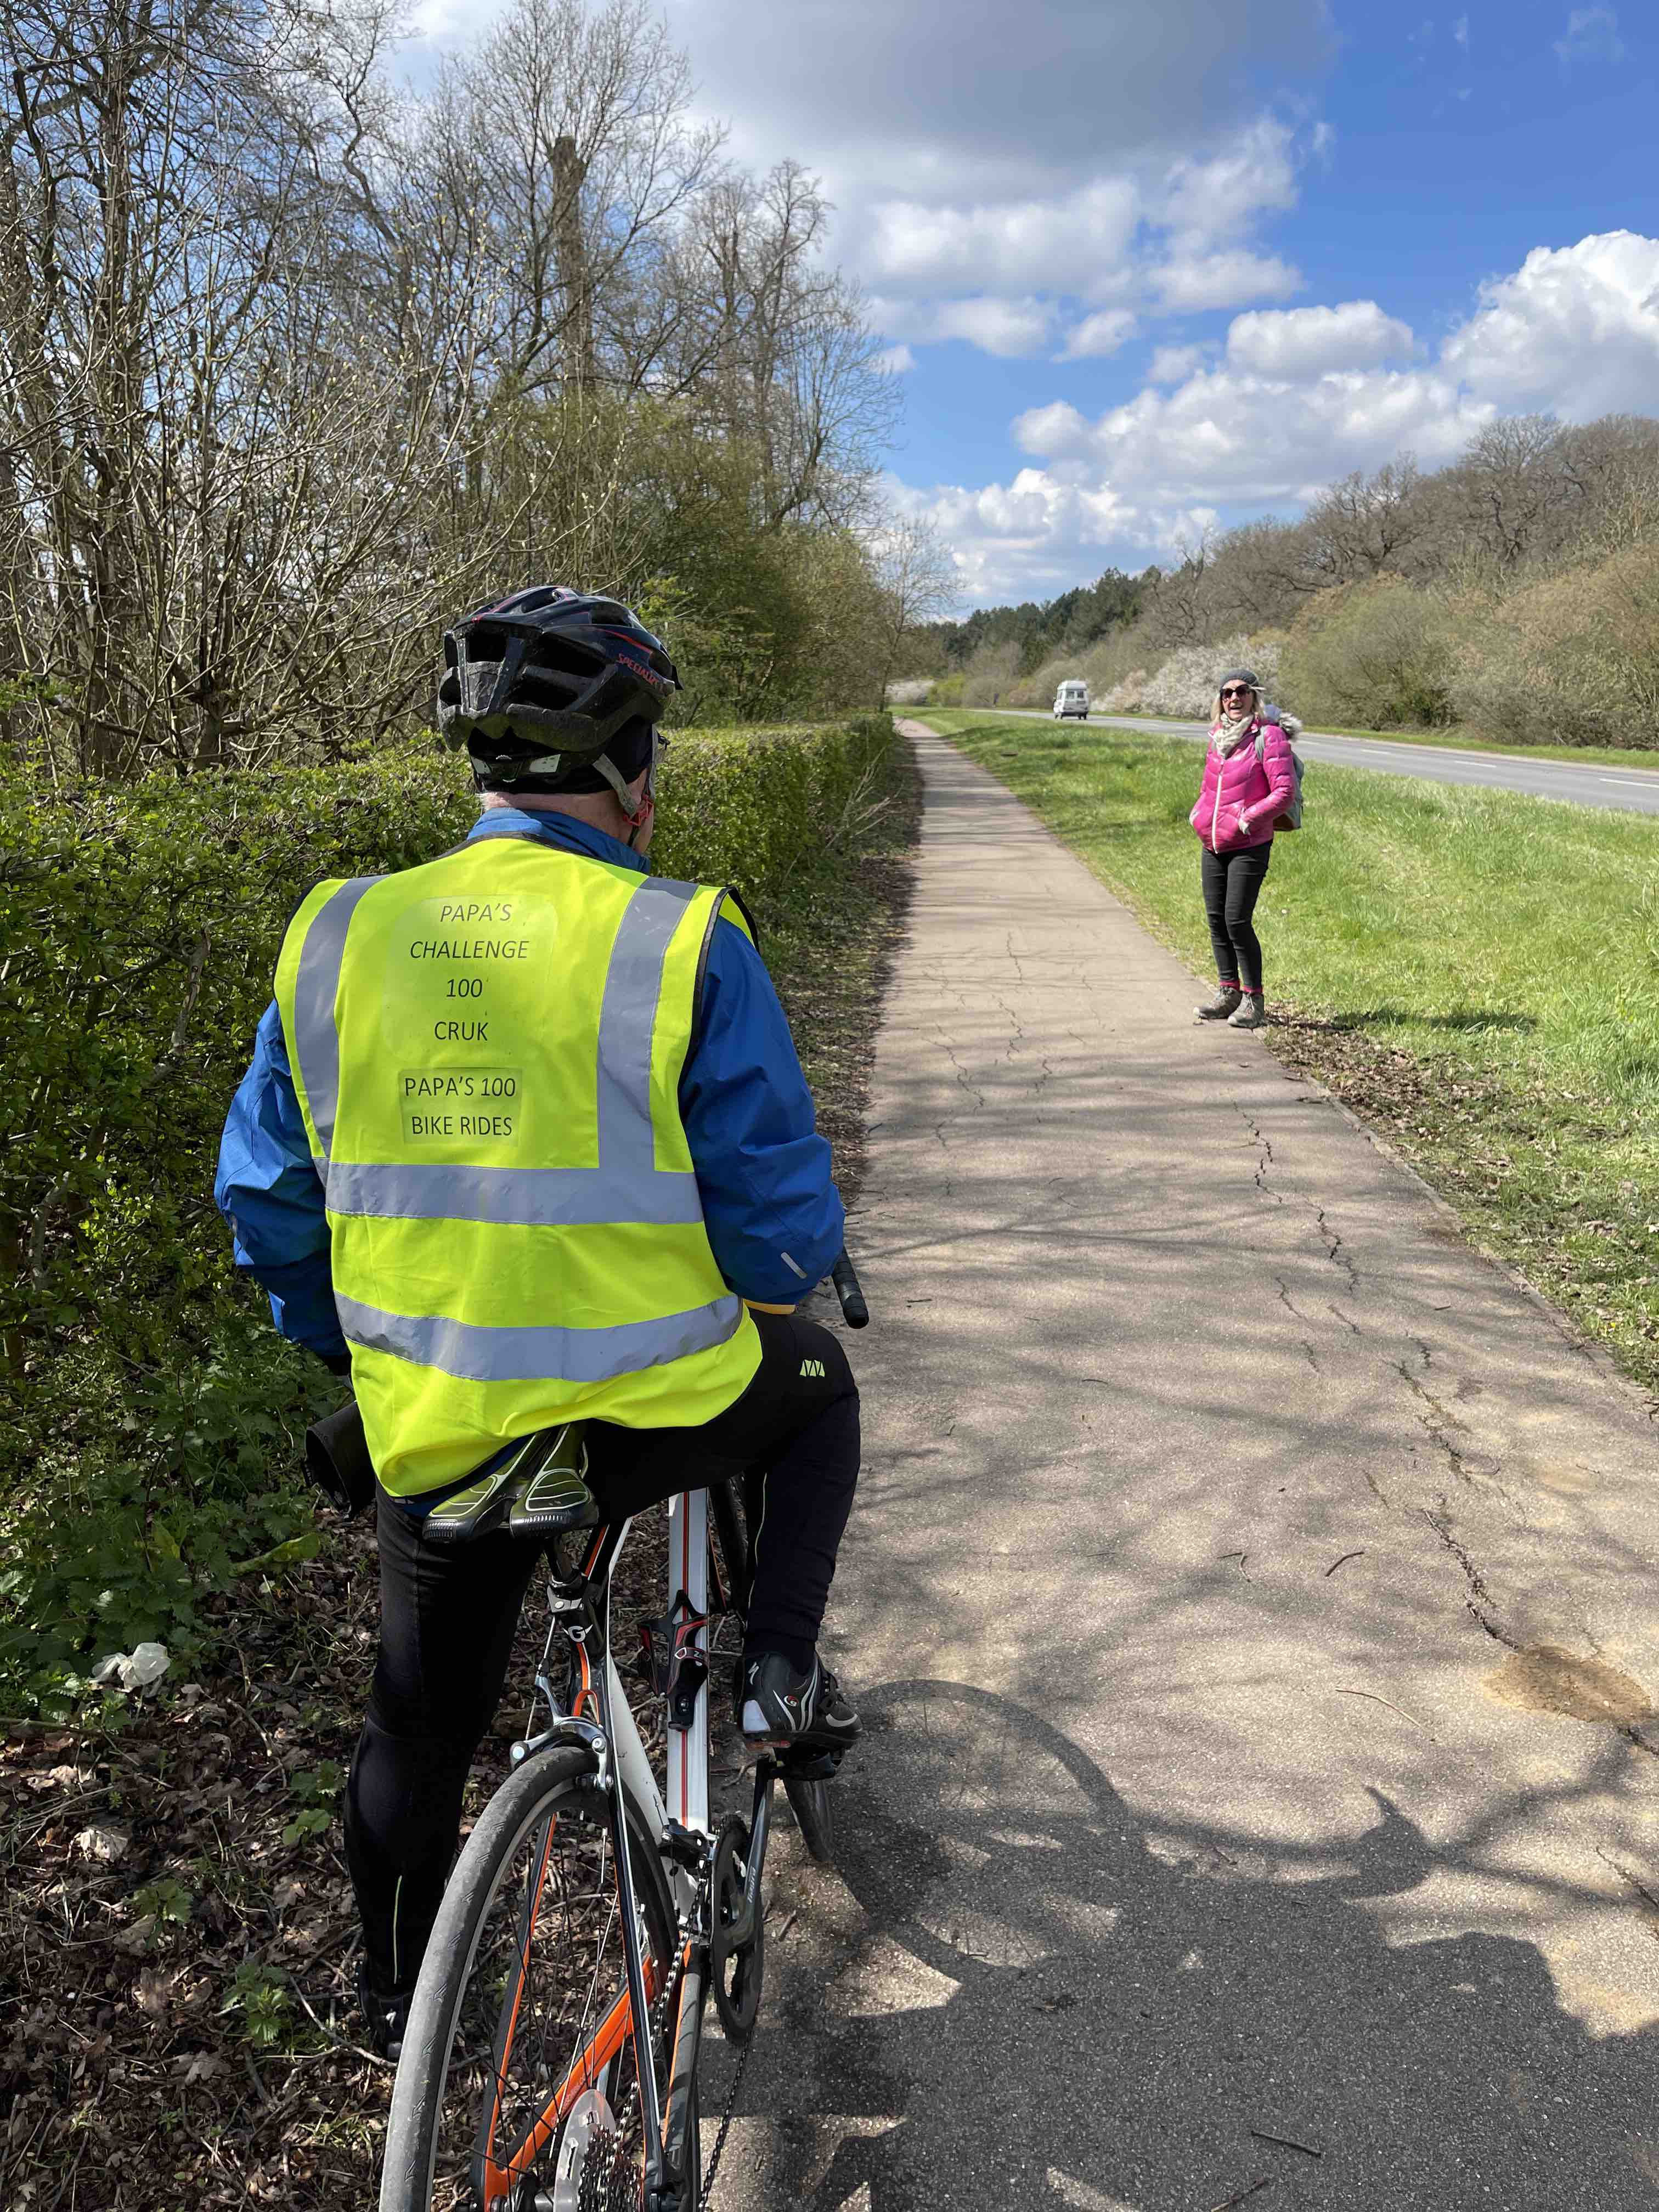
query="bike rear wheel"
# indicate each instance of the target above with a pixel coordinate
(518, 2085)
(811, 1803)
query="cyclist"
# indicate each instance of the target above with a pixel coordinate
(525, 1139)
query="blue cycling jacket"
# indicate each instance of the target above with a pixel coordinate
(775, 1217)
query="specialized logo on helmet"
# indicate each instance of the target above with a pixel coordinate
(658, 680)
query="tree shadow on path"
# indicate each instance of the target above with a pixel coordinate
(1122, 2007)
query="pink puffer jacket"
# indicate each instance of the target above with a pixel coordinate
(1243, 797)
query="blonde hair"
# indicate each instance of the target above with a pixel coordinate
(1215, 711)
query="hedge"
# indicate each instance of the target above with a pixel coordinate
(151, 1416)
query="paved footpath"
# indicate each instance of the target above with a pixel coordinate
(1229, 1539)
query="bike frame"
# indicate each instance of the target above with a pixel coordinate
(681, 1824)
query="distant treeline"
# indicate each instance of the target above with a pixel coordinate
(1515, 591)
(1036, 631)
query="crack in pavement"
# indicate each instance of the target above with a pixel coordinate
(1438, 1422)
(1479, 1594)
(1336, 1251)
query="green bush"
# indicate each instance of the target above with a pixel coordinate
(1570, 659)
(1377, 656)
(152, 1418)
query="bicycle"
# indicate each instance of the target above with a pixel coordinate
(538, 2072)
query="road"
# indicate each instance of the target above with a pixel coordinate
(1631, 790)
(1250, 1601)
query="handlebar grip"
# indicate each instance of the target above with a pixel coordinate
(855, 1312)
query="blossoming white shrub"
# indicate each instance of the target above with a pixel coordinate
(1184, 685)
(1124, 698)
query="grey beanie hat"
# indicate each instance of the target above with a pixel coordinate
(1240, 676)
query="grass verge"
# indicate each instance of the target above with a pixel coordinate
(1472, 971)
(176, 2017)
(1458, 739)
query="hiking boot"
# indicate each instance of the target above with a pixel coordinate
(385, 2014)
(778, 1709)
(1252, 1015)
(1224, 1002)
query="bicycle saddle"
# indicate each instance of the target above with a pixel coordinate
(536, 1487)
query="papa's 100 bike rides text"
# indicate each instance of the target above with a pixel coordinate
(492, 1089)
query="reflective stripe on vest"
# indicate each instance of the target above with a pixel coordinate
(626, 1186)
(534, 1355)
(316, 1042)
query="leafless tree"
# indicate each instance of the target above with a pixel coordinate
(1180, 608)
(915, 583)
(1508, 488)
(1366, 523)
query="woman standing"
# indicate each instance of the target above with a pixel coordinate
(1249, 779)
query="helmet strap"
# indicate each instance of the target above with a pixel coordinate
(635, 816)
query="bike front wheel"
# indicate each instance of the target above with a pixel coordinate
(519, 2081)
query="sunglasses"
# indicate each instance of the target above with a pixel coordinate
(1236, 691)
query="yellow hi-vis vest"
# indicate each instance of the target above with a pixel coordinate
(487, 1051)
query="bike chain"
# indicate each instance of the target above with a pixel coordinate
(744, 2049)
(598, 2191)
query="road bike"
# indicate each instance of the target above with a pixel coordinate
(550, 2063)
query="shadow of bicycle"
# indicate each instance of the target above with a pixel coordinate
(1042, 2002)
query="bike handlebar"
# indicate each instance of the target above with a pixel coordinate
(853, 1309)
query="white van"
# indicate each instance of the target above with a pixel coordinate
(1072, 698)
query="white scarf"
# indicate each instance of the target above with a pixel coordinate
(1231, 730)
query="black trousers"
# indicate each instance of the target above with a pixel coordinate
(1232, 882)
(448, 1612)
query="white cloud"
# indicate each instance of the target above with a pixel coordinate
(1203, 202)
(1174, 364)
(1224, 280)
(897, 361)
(1575, 329)
(1239, 439)
(1072, 245)
(1097, 335)
(1324, 143)
(1008, 328)
(1461, 32)
(1591, 35)
(1302, 341)
(1040, 533)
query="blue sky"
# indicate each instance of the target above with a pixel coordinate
(1147, 267)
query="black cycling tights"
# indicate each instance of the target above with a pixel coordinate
(448, 1612)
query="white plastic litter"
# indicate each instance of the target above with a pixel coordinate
(148, 1663)
(141, 1668)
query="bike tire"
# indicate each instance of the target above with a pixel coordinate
(729, 1523)
(811, 1803)
(437, 2123)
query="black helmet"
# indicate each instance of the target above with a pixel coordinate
(553, 689)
